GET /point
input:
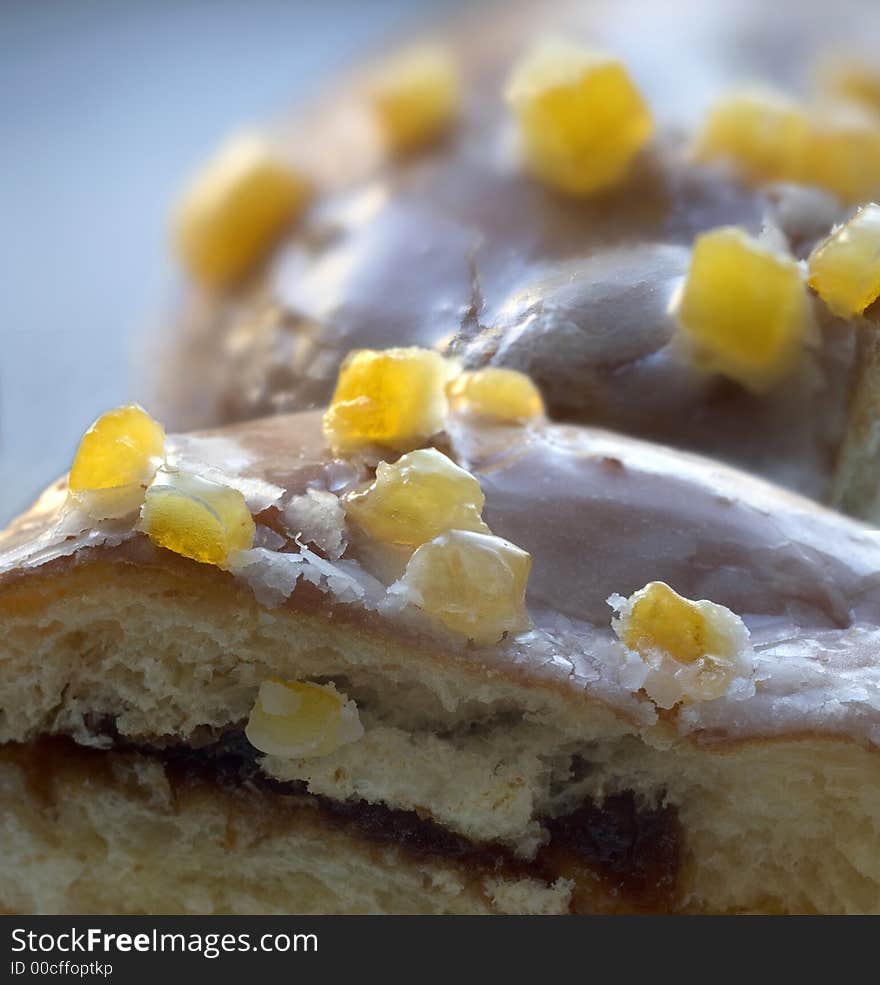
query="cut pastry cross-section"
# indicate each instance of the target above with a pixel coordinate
(646, 683)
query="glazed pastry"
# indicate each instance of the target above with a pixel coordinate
(430, 653)
(438, 199)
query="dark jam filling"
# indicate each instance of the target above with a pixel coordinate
(620, 855)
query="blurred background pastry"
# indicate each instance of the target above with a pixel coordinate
(663, 271)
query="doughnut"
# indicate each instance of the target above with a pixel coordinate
(436, 198)
(427, 651)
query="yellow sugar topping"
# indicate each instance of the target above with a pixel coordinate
(744, 308)
(496, 393)
(392, 397)
(299, 719)
(196, 517)
(581, 118)
(416, 498)
(235, 209)
(416, 95)
(473, 583)
(844, 270)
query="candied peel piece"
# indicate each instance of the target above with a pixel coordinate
(581, 118)
(123, 446)
(196, 517)
(761, 131)
(392, 397)
(415, 95)
(234, 210)
(693, 649)
(844, 270)
(744, 308)
(473, 583)
(771, 138)
(116, 459)
(299, 719)
(416, 498)
(851, 78)
(500, 394)
(842, 154)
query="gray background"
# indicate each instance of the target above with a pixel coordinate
(105, 108)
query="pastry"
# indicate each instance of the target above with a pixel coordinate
(437, 199)
(428, 652)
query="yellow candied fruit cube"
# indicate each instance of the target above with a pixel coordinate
(415, 95)
(581, 119)
(661, 619)
(844, 270)
(693, 650)
(418, 497)
(770, 138)
(235, 209)
(196, 517)
(852, 79)
(116, 459)
(842, 154)
(473, 583)
(299, 719)
(744, 307)
(393, 397)
(762, 132)
(500, 394)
